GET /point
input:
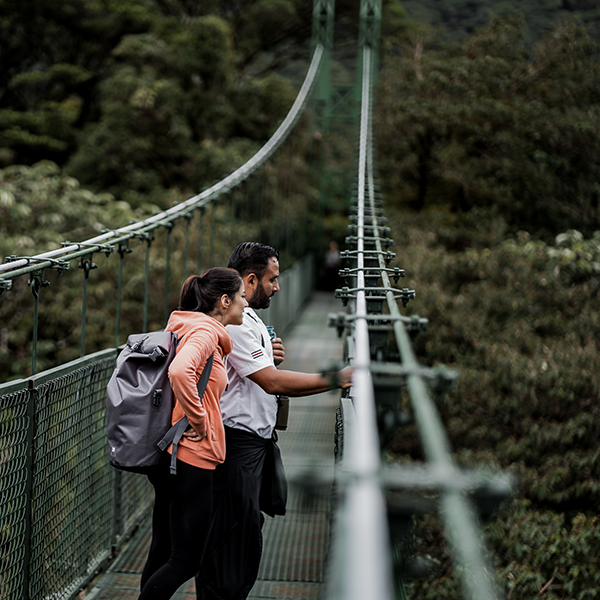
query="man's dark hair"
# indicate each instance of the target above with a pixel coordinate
(252, 257)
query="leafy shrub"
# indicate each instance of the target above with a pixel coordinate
(546, 550)
(518, 318)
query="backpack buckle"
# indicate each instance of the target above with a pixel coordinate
(157, 397)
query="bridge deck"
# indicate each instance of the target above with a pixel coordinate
(295, 546)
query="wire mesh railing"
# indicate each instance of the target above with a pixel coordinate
(64, 511)
(57, 498)
(373, 519)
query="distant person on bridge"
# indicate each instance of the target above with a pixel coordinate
(330, 273)
(249, 408)
(183, 504)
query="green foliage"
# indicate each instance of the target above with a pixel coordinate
(265, 23)
(52, 55)
(140, 134)
(518, 318)
(578, 257)
(485, 123)
(394, 21)
(458, 18)
(201, 53)
(140, 96)
(171, 97)
(544, 549)
(173, 113)
(40, 207)
(539, 553)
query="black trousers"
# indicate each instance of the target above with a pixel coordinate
(180, 528)
(232, 559)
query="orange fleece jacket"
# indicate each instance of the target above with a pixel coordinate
(199, 336)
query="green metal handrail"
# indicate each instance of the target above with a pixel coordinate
(362, 565)
(362, 555)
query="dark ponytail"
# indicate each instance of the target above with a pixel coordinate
(201, 294)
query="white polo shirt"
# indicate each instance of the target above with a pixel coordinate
(245, 405)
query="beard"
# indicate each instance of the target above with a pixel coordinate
(259, 298)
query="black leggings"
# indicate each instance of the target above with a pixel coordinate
(180, 526)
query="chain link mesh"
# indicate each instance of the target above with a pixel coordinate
(63, 514)
(14, 451)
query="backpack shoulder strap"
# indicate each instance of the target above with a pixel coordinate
(176, 431)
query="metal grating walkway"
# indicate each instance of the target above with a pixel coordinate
(295, 546)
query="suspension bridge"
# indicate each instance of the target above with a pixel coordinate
(72, 527)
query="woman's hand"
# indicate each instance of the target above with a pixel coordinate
(191, 434)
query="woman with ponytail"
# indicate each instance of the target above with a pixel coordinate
(183, 502)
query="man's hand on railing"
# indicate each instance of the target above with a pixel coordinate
(339, 379)
(345, 377)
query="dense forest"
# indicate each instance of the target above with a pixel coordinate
(457, 18)
(487, 126)
(141, 97)
(490, 123)
(489, 156)
(518, 319)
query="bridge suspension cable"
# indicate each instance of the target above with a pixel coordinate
(21, 266)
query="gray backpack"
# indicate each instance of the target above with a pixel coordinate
(139, 403)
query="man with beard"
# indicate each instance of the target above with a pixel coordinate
(245, 484)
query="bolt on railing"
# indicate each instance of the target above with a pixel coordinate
(362, 565)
